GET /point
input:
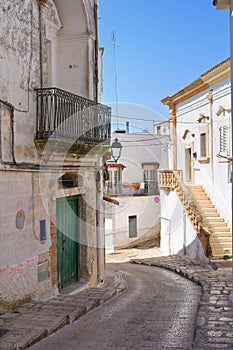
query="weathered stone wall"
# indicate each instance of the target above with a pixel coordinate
(28, 266)
(31, 196)
(19, 51)
(19, 73)
(21, 251)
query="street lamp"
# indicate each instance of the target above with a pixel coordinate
(116, 149)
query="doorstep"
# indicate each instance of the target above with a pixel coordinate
(74, 288)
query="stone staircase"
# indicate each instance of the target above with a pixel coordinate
(221, 236)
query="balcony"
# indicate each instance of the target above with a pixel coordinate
(168, 179)
(132, 189)
(63, 115)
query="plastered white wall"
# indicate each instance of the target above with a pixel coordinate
(148, 223)
(213, 178)
(177, 233)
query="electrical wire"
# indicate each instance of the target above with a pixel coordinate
(144, 140)
(152, 144)
(159, 121)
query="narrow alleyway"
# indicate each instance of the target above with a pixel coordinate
(157, 311)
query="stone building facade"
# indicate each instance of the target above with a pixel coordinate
(53, 133)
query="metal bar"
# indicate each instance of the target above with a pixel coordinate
(64, 114)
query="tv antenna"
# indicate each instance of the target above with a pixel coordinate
(115, 74)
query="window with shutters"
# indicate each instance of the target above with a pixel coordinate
(223, 140)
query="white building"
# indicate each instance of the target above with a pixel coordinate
(51, 132)
(133, 183)
(196, 191)
(162, 128)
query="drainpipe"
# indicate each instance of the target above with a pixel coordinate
(210, 98)
(100, 225)
(40, 5)
(96, 82)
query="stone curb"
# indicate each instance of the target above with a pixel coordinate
(20, 337)
(214, 322)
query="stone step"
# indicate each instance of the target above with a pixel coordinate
(219, 245)
(206, 206)
(221, 235)
(215, 219)
(218, 256)
(204, 200)
(216, 224)
(221, 250)
(221, 240)
(220, 229)
(200, 195)
(212, 215)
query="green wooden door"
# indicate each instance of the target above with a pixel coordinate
(67, 240)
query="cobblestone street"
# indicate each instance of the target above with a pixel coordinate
(185, 308)
(214, 326)
(157, 311)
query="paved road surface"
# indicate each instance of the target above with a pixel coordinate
(157, 311)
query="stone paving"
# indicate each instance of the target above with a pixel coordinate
(36, 320)
(214, 325)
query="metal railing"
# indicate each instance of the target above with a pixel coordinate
(61, 114)
(132, 189)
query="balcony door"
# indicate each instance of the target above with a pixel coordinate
(150, 177)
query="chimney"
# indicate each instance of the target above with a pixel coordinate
(127, 127)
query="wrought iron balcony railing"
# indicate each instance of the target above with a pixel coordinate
(61, 114)
(133, 189)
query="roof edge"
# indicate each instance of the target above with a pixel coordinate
(211, 76)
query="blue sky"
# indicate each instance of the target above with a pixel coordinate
(163, 46)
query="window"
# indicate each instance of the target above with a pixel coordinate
(150, 177)
(223, 139)
(204, 143)
(133, 226)
(203, 147)
(188, 164)
(114, 182)
(114, 175)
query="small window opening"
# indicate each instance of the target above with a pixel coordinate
(133, 226)
(66, 181)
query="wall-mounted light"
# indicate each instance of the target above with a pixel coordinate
(116, 149)
(202, 118)
(222, 109)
